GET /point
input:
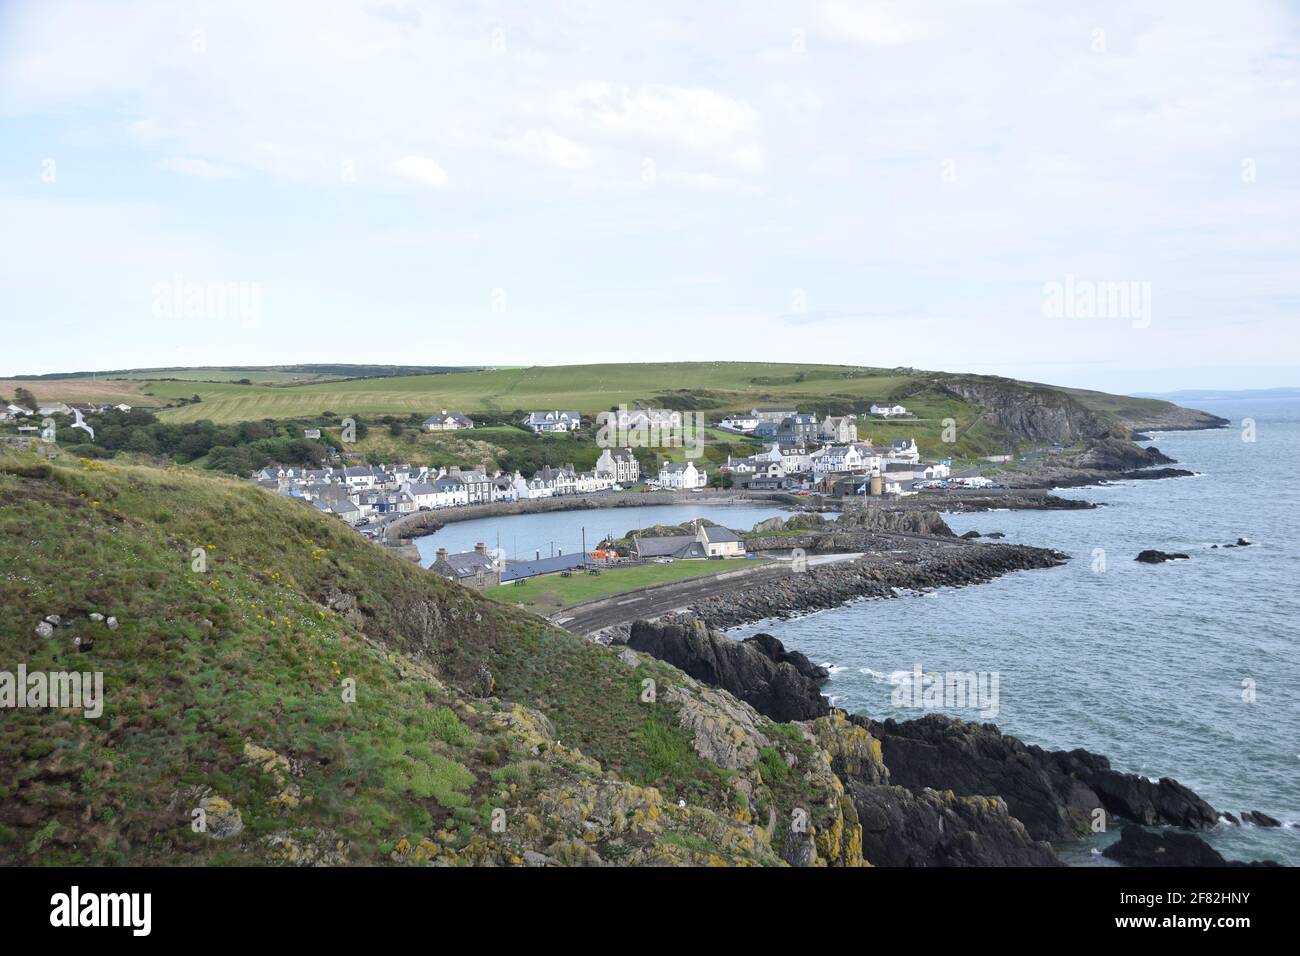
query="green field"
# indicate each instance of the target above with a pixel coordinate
(712, 388)
(551, 592)
(706, 386)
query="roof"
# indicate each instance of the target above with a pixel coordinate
(716, 534)
(514, 570)
(457, 417)
(664, 547)
(469, 563)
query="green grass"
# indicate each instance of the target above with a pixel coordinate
(552, 591)
(254, 656)
(586, 388)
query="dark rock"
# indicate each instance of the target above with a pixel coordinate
(995, 535)
(1053, 793)
(925, 828)
(776, 651)
(1243, 543)
(1116, 454)
(1230, 818)
(1139, 847)
(971, 534)
(778, 684)
(1259, 819)
(1156, 557)
(832, 585)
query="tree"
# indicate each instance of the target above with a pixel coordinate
(26, 399)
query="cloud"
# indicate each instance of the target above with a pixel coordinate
(548, 146)
(694, 119)
(421, 170)
(882, 23)
(199, 168)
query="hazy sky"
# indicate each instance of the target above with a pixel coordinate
(881, 183)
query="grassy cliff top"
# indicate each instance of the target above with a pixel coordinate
(475, 732)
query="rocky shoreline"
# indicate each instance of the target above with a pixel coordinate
(939, 791)
(922, 568)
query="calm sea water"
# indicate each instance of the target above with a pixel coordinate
(1143, 663)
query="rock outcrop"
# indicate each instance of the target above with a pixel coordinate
(831, 585)
(1055, 794)
(1152, 556)
(901, 827)
(1139, 847)
(873, 517)
(778, 684)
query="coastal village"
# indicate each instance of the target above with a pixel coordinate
(801, 454)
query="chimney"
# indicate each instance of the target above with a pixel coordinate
(442, 554)
(481, 548)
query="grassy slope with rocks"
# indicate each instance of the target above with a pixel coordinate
(224, 692)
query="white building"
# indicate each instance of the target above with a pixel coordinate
(620, 465)
(550, 422)
(887, 411)
(833, 459)
(740, 424)
(904, 450)
(446, 421)
(682, 477)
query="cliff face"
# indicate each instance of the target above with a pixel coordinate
(1029, 412)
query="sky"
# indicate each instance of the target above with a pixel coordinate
(1094, 194)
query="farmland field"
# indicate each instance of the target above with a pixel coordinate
(78, 390)
(707, 386)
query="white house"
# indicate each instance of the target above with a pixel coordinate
(548, 422)
(359, 476)
(453, 492)
(646, 418)
(561, 481)
(446, 421)
(620, 465)
(795, 460)
(833, 459)
(586, 482)
(682, 477)
(886, 411)
(904, 449)
(745, 423)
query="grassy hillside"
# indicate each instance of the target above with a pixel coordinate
(988, 412)
(225, 692)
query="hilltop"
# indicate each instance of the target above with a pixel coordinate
(988, 412)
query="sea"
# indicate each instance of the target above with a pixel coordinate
(1187, 669)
